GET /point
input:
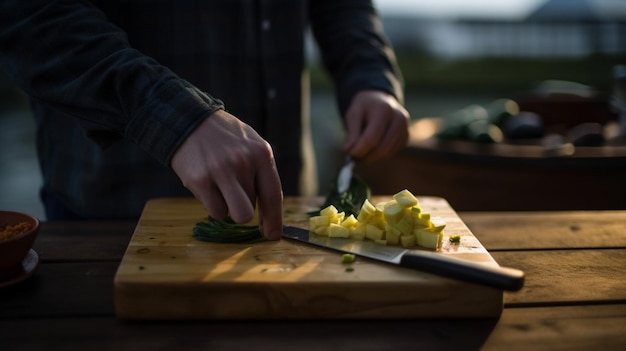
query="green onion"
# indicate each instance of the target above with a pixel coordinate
(226, 231)
(348, 258)
(455, 239)
(350, 201)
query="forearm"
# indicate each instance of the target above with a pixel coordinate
(354, 49)
(65, 54)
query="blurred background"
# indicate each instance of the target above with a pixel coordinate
(453, 53)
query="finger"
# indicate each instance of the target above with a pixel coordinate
(270, 198)
(379, 152)
(394, 139)
(354, 124)
(213, 201)
(240, 207)
(371, 135)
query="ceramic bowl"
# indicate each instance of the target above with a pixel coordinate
(15, 247)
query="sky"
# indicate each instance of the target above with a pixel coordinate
(509, 9)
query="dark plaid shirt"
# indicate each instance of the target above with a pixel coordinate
(117, 85)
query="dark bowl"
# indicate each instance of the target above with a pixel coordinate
(14, 249)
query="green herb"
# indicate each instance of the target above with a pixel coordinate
(455, 239)
(226, 231)
(349, 269)
(350, 201)
(348, 258)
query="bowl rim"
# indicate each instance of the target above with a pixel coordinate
(32, 218)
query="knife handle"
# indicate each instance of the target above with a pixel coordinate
(494, 276)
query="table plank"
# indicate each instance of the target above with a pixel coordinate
(574, 298)
(548, 230)
(62, 289)
(83, 240)
(558, 277)
(561, 277)
(600, 327)
(560, 328)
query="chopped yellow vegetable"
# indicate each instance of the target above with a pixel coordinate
(405, 198)
(330, 210)
(350, 222)
(400, 221)
(338, 231)
(372, 232)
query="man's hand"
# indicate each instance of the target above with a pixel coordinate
(378, 126)
(230, 168)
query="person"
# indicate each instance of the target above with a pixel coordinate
(141, 99)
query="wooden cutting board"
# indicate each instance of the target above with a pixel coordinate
(167, 274)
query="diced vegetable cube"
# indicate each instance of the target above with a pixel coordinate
(338, 231)
(405, 198)
(394, 212)
(317, 221)
(405, 225)
(407, 240)
(328, 211)
(429, 239)
(367, 211)
(337, 218)
(350, 222)
(437, 224)
(392, 235)
(321, 230)
(423, 220)
(358, 233)
(372, 232)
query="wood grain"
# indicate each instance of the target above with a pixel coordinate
(84, 240)
(166, 274)
(548, 230)
(568, 276)
(568, 328)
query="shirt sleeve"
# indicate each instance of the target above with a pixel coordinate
(68, 56)
(354, 49)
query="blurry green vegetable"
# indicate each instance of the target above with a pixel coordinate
(350, 201)
(226, 231)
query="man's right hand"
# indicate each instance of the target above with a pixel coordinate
(230, 168)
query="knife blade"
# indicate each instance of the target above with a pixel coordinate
(345, 175)
(504, 278)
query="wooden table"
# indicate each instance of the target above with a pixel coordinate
(574, 297)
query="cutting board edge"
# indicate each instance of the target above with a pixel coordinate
(135, 302)
(130, 305)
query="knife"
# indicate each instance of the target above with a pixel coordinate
(504, 278)
(345, 175)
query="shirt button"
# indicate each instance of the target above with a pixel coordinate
(271, 93)
(265, 25)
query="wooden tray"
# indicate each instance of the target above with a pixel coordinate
(167, 274)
